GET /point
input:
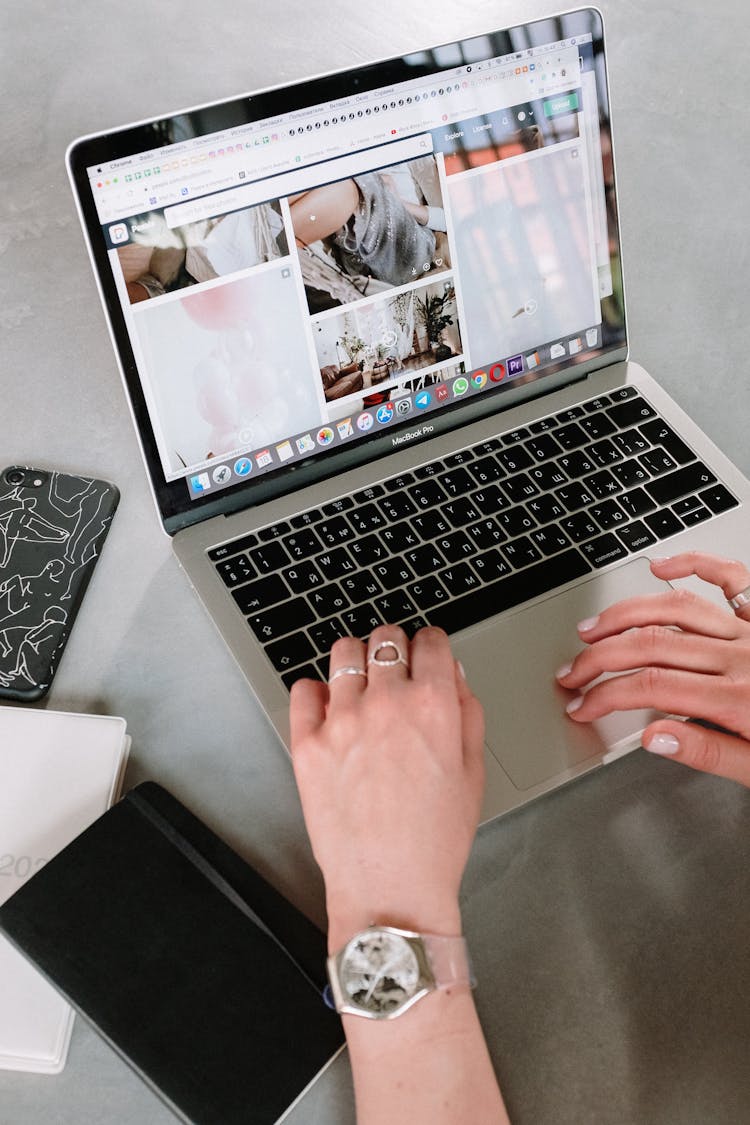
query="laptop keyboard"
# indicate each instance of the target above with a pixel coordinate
(471, 534)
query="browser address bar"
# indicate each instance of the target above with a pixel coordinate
(300, 179)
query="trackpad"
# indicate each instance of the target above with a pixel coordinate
(511, 664)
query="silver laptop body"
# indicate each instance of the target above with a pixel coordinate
(372, 332)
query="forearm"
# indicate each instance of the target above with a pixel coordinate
(429, 1066)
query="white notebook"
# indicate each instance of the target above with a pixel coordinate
(60, 771)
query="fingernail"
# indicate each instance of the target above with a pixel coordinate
(563, 671)
(587, 624)
(662, 744)
(574, 704)
(461, 670)
(661, 559)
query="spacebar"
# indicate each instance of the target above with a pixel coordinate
(505, 593)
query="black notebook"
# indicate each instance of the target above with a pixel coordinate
(200, 974)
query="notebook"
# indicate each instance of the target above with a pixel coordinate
(372, 330)
(205, 979)
(60, 772)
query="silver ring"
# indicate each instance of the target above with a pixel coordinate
(741, 599)
(398, 659)
(347, 670)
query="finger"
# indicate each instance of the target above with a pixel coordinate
(388, 655)
(729, 575)
(472, 723)
(347, 670)
(707, 750)
(431, 657)
(665, 689)
(654, 645)
(307, 710)
(682, 608)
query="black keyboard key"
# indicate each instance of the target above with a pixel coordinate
(275, 531)
(372, 492)
(327, 600)
(580, 527)
(433, 469)
(604, 550)
(460, 512)
(301, 544)
(519, 434)
(306, 519)
(657, 461)
(456, 546)
(490, 565)
(574, 495)
(549, 540)
(397, 506)
(485, 470)
(431, 524)
(326, 633)
(269, 557)
(367, 551)
(623, 393)
(458, 481)
(718, 499)
(577, 464)
(306, 672)
(361, 620)
(659, 433)
(570, 436)
(425, 560)
(514, 459)
(516, 521)
(520, 552)
(401, 537)
(636, 502)
(544, 509)
(484, 447)
(543, 448)
(548, 476)
(461, 458)
(261, 594)
(671, 487)
(285, 618)
(334, 564)
(631, 442)
(596, 404)
(663, 523)
(689, 504)
(541, 426)
(486, 533)
(234, 548)
(428, 591)
(236, 570)
(333, 532)
(636, 536)
(361, 586)
(367, 518)
(602, 484)
(521, 487)
(427, 494)
(509, 591)
(395, 606)
(413, 625)
(303, 576)
(698, 515)
(336, 507)
(392, 573)
(604, 453)
(400, 482)
(490, 499)
(597, 426)
(628, 413)
(608, 514)
(295, 649)
(569, 415)
(630, 473)
(459, 579)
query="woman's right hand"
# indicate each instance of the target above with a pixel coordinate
(678, 653)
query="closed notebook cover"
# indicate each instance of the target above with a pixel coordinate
(60, 771)
(196, 970)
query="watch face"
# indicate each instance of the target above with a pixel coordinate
(379, 971)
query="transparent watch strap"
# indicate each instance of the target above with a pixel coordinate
(449, 960)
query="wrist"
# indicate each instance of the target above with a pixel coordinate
(347, 919)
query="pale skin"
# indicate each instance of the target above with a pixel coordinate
(678, 653)
(390, 773)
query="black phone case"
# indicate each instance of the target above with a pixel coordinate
(50, 539)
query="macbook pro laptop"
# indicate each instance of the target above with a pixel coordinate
(372, 331)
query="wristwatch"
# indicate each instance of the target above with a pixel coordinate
(382, 970)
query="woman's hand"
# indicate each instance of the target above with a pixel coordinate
(390, 771)
(678, 653)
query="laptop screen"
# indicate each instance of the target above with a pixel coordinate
(307, 278)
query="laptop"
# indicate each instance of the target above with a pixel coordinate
(372, 331)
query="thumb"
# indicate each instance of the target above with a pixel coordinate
(701, 748)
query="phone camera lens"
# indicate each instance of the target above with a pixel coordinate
(15, 476)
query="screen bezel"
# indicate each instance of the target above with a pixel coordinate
(178, 510)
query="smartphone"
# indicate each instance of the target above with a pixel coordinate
(52, 527)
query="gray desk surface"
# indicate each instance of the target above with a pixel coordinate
(608, 922)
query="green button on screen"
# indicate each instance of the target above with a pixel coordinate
(566, 103)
